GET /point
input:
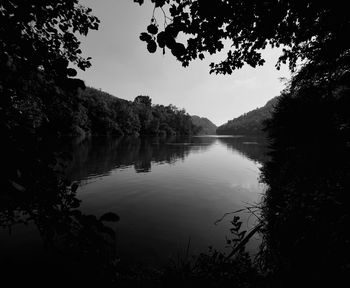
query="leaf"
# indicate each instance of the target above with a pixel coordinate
(242, 234)
(145, 37)
(139, 1)
(160, 3)
(172, 10)
(63, 27)
(152, 46)
(71, 72)
(152, 28)
(161, 39)
(178, 50)
(110, 217)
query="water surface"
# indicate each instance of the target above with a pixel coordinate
(168, 192)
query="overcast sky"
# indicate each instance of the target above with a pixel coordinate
(122, 66)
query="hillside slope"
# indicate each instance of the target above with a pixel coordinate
(250, 123)
(100, 113)
(207, 127)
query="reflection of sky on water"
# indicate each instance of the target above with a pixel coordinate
(165, 192)
(168, 191)
(98, 156)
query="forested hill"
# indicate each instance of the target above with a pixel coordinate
(206, 126)
(94, 112)
(101, 113)
(250, 123)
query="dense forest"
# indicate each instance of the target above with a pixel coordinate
(206, 126)
(251, 123)
(94, 112)
(102, 114)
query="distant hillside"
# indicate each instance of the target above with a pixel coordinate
(99, 113)
(207, 127)
(250, 123)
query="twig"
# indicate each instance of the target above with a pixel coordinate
(229, 213)
(245, 240)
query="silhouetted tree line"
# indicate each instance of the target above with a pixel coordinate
(251, 123)
(102, 114)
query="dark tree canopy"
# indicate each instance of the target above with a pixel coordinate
(38, 41)
(307, 30)
(40, 32)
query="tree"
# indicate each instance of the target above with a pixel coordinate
(307, 30)
(305, 206)
(38, 41)
(143, 100)
(39, 33)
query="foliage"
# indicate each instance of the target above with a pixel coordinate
(208, 269)
(43, 34)
(206, 126)
(216, 268)
(212, 269)
(38, 40)
(250, 123)
(306, 204)
(106, 114)
(307, 30)
(94, 112)
(35, 195)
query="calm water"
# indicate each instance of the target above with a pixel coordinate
(168, 192)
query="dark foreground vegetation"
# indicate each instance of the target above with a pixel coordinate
(304, 216)
(306, 205)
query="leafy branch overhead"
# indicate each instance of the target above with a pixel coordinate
(44, 33)
(306, 30)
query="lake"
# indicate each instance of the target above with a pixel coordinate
(168, 192)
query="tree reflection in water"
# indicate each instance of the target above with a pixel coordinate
(40, 195)
(101, 155)
(254, 148)
(75, 247)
